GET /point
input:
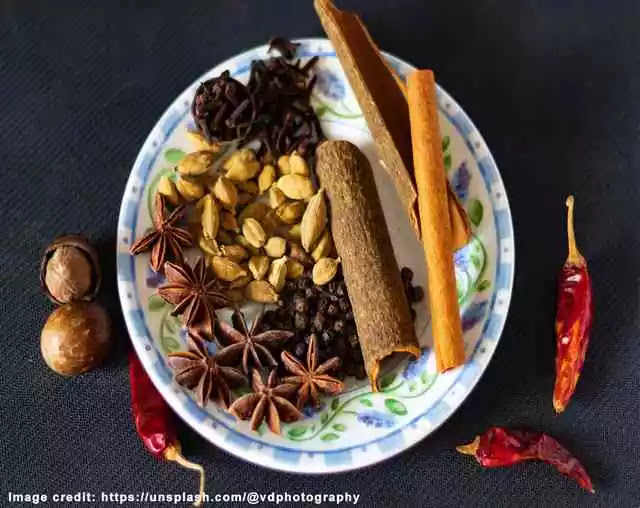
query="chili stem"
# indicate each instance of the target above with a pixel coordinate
(574, 257)
(172, 453)
(470, 448)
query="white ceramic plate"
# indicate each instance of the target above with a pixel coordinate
(356, 428)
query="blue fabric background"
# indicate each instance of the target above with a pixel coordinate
(553, 88)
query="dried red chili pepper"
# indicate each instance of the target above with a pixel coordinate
(573, 319)
(502, 447)
(154, 421)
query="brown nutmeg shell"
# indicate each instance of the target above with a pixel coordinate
(76, 338)
(70, 270)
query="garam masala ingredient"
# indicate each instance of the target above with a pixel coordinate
(573, 319)
(154, 421)
(503, 447)
(369, 265)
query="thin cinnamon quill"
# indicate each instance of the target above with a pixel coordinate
(382, 97)
(434, 220)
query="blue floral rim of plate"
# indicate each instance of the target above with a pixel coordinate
(284, 457)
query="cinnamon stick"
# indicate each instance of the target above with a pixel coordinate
(382, 97)
(369, 266)
(434, 220)
(460, 225)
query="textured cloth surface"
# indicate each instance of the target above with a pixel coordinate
(554, 89)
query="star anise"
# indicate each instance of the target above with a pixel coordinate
(199, 371)
(196, 293)
(166, 238)
(270, 402)
(240, 341)
(313, 378)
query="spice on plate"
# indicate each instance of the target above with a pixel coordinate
(197, 370)
(415, 294)
(284, 46)
(167, 239)
(312, 379)
(269, 401)
(323, 312)
(503, 447)
(70, 270)
(325, 270)
(260, 291)
(196, 294)
(76, 338)
(573, 319)
(273, 108)
(313, 221)
(248, 345)
(434, 221)
(384, 106)
(154, 421)
(369, 266)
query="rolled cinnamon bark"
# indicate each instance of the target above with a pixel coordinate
(369, 266)
(431, 182)
(382, 96)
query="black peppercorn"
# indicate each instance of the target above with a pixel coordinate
(323, 304)
(332, 309)
(304, 282)
(318, 322)
(300, 321)
(341, 347)
(416, 294)
(406, 274)
(338, 326)
(300, 303)
(300, 350)
(327, 337)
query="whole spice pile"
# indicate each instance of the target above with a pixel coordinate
(262, 227)
(324, 313)
(260, 223)
(273, 107)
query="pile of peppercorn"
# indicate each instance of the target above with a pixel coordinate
(325, 312)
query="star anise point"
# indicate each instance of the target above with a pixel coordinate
(312, 379)
(242, 343)
(166, 238)
(196, 295)
(269, 401)
(197, 370)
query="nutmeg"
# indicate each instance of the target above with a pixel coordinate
(69, 270)
(76, 338)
